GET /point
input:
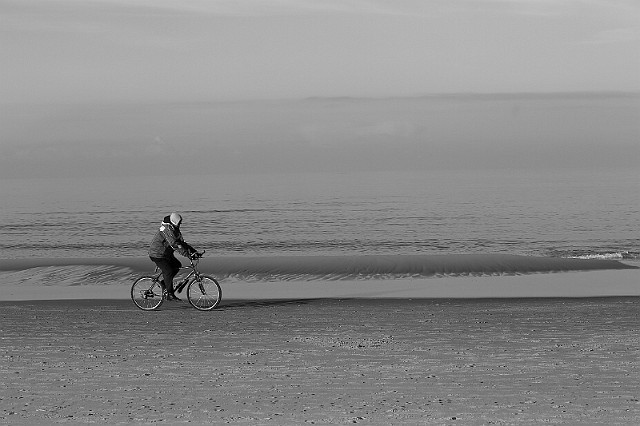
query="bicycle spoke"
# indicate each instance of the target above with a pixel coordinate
(204, 293)
(147, 294)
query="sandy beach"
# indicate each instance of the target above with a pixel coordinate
(386, 355)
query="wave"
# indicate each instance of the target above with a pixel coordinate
(287, 268)
(607, 253)
(618, 255)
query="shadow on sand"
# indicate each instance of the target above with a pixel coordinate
(235, 304)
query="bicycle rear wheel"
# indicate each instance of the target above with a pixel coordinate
(204, 293)
(146, 293)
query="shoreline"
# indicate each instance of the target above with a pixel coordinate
(601, 283)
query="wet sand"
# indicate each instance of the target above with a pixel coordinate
(57, 283)
(338, 360)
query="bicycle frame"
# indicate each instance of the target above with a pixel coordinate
(183, 283)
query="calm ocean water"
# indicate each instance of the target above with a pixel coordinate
(558, 214)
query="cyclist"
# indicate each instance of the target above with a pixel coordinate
(167, 240)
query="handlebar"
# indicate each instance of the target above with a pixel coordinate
(196, 255)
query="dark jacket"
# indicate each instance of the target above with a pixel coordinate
(167, 240)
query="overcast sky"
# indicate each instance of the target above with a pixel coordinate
(106, 50)
(111, 87)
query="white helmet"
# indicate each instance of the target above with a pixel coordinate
(175, 219)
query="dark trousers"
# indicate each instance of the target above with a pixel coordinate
(169, 267)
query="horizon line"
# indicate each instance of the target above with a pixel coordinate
(434, 95)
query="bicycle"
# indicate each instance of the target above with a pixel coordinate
(203, 292)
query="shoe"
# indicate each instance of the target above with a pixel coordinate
(173, 297)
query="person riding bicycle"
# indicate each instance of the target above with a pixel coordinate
(167, 240)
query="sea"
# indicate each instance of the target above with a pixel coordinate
(390, 215)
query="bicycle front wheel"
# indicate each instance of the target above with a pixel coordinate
(146, 293)
(204, 293)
